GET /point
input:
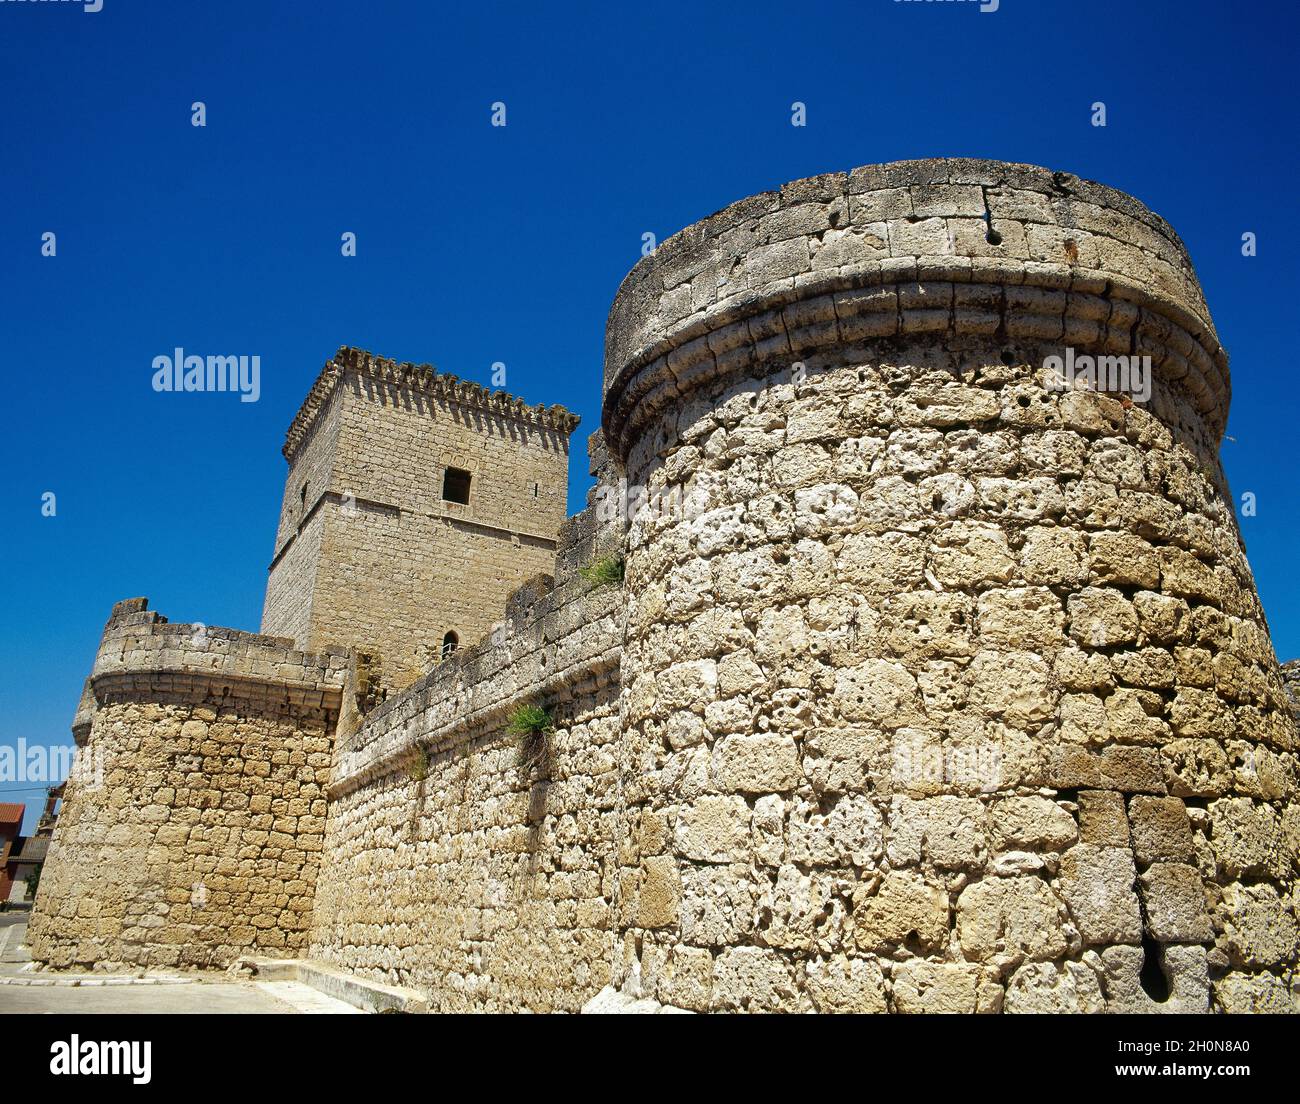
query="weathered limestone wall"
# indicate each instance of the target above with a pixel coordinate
(192, 831)
(455, 866)
(292, 578)
(1291, 682)
(944, 690)
(383, 563)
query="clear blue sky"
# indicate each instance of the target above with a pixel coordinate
(479, 244)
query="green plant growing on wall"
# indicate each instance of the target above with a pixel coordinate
(417, 765)
(533, 725)
(604, 571)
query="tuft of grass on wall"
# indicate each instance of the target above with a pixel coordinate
(530, 720)
(604, 571)
(533, 725)
(417, 765)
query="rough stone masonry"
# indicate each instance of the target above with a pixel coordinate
(931, 685)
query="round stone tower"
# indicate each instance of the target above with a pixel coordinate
(946, 685)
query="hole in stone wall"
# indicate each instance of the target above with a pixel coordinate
(993, 237)
(1154, 982)
(450, 643)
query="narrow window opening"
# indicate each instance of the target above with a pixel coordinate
(302, 495)
(450, 643)
(535, 488)
(455, 486)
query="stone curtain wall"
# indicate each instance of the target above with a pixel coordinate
(485, 887)
(386, 565)
(455, 868)
(943, 690)
(193, 830)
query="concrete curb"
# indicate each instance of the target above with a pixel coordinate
(94, 982)
(370, 996)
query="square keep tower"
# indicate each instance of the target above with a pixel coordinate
(415, 503)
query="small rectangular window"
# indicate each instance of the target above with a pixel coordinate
(455, 486)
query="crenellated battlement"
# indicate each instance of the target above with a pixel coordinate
(142, 653)
(422, 378)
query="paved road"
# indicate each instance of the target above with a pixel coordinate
(204, 998)
(13, 937)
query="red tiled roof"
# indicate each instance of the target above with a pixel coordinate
(11, 813)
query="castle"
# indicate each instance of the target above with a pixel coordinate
(927, 684)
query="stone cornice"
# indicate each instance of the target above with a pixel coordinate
(932, 295)
(968, 246)
(213, 687)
